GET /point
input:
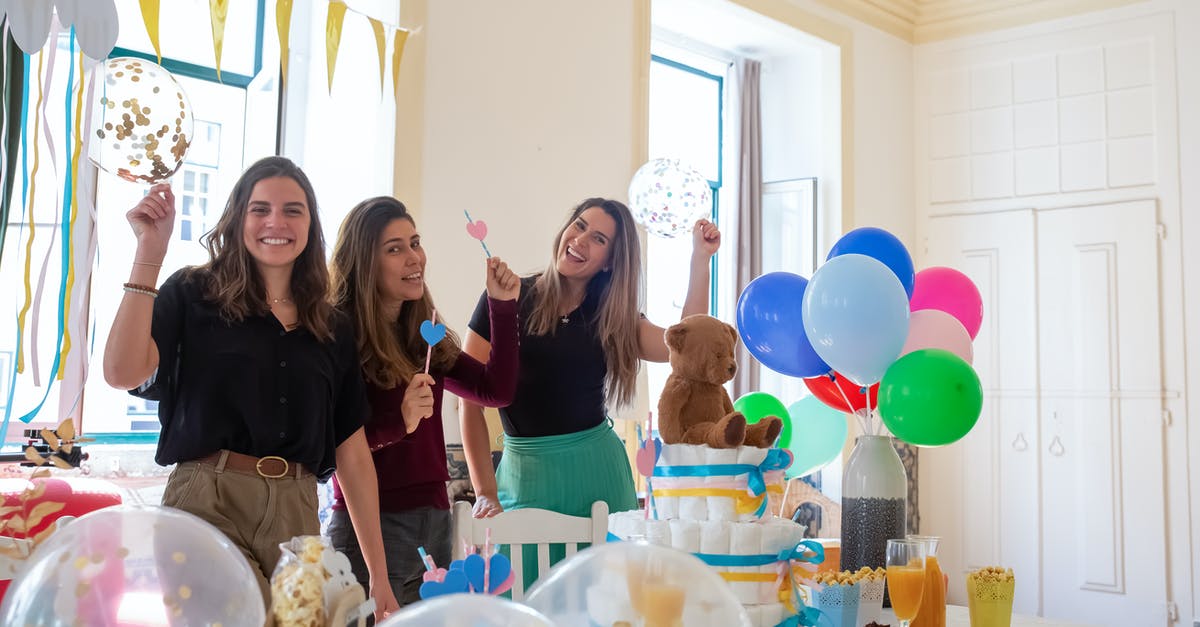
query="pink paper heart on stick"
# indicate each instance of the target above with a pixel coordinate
(477, 229)
(438, 575)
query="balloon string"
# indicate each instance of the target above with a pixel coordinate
(862, 424)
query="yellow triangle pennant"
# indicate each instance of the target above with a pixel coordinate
(150, 17)
(283, 21)
(397, 53)
(218, 10)
(333, 36)
(380, 45)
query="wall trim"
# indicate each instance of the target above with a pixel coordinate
(924, 21)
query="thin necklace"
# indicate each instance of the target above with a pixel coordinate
(276, 301)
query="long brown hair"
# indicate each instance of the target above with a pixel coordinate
(618, 292)
(230, 277)
(390, 352)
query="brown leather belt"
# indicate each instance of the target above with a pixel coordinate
(269, 467)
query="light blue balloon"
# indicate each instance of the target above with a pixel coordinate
(818, 436)
(856, 316)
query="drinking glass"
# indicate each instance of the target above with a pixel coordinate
(906, 577)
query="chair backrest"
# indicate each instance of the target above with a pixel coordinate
(528, 529)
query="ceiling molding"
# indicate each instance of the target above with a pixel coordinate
(923, 21)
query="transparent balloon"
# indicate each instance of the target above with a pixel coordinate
(142, 121)
(667, 197)
(639, 584)
(467, 610)
(135, 565)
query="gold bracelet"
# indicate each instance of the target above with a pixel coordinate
(147, 263)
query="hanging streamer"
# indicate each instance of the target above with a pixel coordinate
(380, 46)
(5, 130)
(397, 52)
(218, 10)
(333, 36)
(69, 231)
(44, 100)
(150, 18)
(32, 189)
(283, 23)
(85, 190)
(12, 380)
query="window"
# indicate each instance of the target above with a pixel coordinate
(226, 137)
(686, 123)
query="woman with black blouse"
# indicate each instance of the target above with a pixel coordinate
(260, 394)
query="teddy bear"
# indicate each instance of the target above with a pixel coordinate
(694, 407)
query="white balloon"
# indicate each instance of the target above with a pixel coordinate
(667, 197)
(95, 23)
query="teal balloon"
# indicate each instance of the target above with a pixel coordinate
(818, 438)
(758, 405)
(930, 397)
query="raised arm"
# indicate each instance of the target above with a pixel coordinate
(130, 355)
(706, 240)
(492, 382)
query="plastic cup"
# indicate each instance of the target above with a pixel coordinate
(989, 601)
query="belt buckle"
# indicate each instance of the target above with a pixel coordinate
(259, 470)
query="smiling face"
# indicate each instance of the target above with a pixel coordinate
(275, 230)
(400, 263)
(585, 248)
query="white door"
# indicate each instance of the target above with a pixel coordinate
(981, 494)
(1104, 557)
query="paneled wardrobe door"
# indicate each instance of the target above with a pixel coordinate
(1104, 557)
(981, 494)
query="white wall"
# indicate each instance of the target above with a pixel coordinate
(982, 145)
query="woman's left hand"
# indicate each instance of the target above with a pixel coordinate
(706, 239)
(502, 283)
(385, 600)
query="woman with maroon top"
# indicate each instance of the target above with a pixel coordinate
(378, 279)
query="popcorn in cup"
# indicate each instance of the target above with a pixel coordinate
(990, 596)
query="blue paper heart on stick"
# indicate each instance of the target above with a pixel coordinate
(433, 333)
(454, 583)
(498, 569)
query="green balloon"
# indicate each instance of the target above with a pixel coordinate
(824, 433)
(758, 405)
(930, 397)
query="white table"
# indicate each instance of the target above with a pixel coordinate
(956, 616)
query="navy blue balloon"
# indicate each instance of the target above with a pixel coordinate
(771, 323)
(882, 246)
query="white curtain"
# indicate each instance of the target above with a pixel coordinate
(748, 228)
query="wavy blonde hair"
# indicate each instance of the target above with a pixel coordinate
(390, 351)
(618, 292)
(230, 278)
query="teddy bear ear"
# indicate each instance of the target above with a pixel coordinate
(675, 335)
(732, 333)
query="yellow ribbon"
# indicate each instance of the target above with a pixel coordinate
(333, 36)
(29, 244)
(218, 10)
(150, 18)
(283, 23)
(66, 345)
(744, 503)
(397, 52)
(750, 577)
(380, 46)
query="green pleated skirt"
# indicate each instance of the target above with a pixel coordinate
(565, 474)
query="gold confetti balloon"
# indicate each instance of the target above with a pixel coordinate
(135, 565)
(142, 121)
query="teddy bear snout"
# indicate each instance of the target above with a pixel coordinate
(732, 369)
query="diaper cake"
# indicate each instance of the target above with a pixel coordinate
(709, 478)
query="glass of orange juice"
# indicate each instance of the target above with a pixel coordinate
(906, 577)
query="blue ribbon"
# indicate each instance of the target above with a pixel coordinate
(776, 459)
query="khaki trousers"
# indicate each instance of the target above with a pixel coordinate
(256, 513)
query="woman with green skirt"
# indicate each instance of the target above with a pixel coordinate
(582, 338)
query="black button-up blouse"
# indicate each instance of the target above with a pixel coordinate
(251, 387)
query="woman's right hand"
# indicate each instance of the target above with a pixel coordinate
(153, 219)
(486, 506)
(418, 401)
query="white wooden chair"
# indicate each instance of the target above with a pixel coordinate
(535, 529)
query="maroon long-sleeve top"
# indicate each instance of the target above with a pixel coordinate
(411, 468)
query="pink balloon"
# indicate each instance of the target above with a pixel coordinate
(932, 328)
(951, 291)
